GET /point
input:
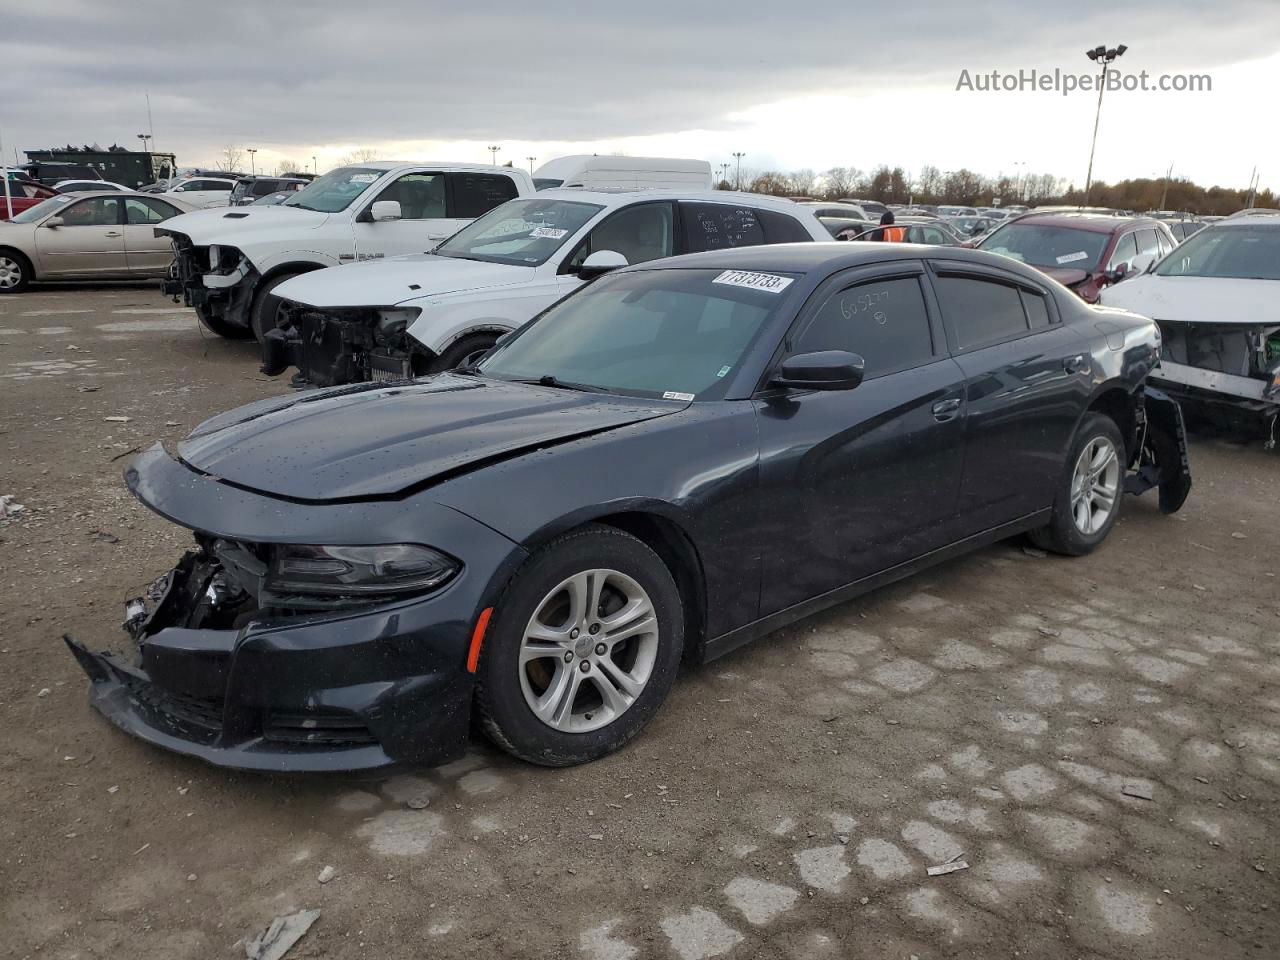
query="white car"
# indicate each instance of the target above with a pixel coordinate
(203, 191)
(230, 260)
(421, 314)
(1216, 299)
(89, 186)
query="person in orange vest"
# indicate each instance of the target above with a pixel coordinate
(888, 232)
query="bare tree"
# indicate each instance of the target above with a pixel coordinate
(773, 183)
(838, 182)
(929, 184)
(287, 166)
(360, 155)
(232, 158)
(802, 182)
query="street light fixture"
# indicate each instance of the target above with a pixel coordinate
(531, 159)
(144, 137)
(737, 179)
(493, 151)
(253, 170)
(1099, 54)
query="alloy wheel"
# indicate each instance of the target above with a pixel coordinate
(588, 651)
(1095, 485)
(10, 273)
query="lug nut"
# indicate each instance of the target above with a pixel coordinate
(600, 649)
(568, 656)
(586, 666)
(573, 634)
(595, 628)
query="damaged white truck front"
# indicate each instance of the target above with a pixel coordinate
(228, 261)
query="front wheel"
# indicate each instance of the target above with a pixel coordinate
(584, 648)
(264, 315)
(468, 349)
(216, 325)
(1089, 494)
(15, 272)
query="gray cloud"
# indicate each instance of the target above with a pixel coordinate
(299, 73)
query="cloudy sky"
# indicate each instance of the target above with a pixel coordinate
(814, 84)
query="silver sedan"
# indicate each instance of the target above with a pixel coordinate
(87, 236)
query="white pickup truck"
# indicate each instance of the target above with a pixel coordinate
(412, 315)
(228, 260)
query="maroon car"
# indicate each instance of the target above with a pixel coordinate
(1082, 251)
(24, 194)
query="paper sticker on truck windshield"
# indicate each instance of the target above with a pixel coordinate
(754, 281)
(363, 177)
(548, 233)
(1073, 257)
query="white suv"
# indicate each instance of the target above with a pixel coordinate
(420, 314)
(203, 191)
(229, 260)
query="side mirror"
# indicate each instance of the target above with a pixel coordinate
(1117, 273)
(602, 261)
(1142, 263)
(383, 210)
(179, 189)
(53, 222)
(822, 370)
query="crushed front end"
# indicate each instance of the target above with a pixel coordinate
(259, 653)
(216, 281)
(332, 346)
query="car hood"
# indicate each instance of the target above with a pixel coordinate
(379, 440)
(382, 283)
(1198, 299)
(1066, 276)
(233, 226)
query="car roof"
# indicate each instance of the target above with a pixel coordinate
(1247, 220)
(442, 164)
(828, 257)
(1094, 222)
(614, 198)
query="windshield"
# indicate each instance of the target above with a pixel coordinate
(521, 232)
(1234, 253)
(1045, 245)
(546, 183)
(336, 190)
(652, 333)
(41, 209)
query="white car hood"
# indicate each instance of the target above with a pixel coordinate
(234, 225)
(384, 283)
(1198, 299)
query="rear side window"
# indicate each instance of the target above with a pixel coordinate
(779, 228)
(264, 187)
(143, 210)
(981, 312)
(1126, 249)
(1147, 243)
(717, 226)
(475, 194)
(883, 321)
(1037, 309)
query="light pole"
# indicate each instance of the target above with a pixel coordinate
(493, 152)
(253, 170)
(737, 178)
(144, 137)
(724, 172)
(1099, 54)
(315, 168)
(531, 159)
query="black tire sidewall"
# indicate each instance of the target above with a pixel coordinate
(267, 303)
(1068, 537)
(503, 711)
(221, 328)
(458, 351)
(24, 265)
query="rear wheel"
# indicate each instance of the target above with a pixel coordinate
(1089, 494)
(15, 271)
(584, 648)
(469, 349)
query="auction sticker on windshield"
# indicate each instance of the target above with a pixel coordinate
(767, 282)
(363, 177)
(1073, 257)
(548, 233)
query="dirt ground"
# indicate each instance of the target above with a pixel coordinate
(785, 803)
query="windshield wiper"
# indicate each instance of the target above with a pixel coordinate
(547, 380)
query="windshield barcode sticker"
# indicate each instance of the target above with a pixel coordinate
(754, 281)
(363, 177)
(672, 395)
(549, 233)
(1073, 257)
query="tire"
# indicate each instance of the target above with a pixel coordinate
(581, 723)
(228, 331)
(15, 272)
(460, 351)
(1078, 525)
(263, 313)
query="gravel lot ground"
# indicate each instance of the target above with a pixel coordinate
(785, 803)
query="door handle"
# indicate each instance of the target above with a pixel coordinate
(113, 234)
(1075, 364)
(945, 410)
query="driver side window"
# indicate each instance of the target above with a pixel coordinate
(640, 233)
(97, 212)
(421, 196)
(883, 321)
(1126, 250)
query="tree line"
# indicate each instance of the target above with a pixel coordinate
(965, 187)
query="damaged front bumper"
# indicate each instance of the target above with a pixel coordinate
(338, 346)
(209, 673)
(221, 293)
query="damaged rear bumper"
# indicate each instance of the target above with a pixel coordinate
(1163, 461)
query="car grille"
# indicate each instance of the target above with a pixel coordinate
(204, 714)
(316, 728)
(383, 366)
